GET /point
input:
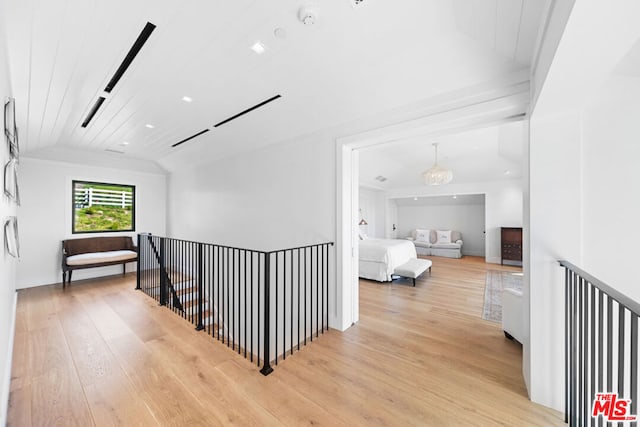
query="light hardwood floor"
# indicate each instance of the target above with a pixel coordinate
(101, 353)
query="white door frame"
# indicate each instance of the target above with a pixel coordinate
(473, 108)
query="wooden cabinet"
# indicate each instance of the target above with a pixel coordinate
(511, 244)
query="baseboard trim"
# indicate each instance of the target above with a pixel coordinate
(6, 381)
(473, 253)
(492, 260)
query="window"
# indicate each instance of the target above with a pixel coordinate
(100, 207)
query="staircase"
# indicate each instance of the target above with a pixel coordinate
(266, 305)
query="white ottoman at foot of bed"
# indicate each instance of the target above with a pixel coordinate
(413, 268)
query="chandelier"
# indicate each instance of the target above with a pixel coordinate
(437, 175)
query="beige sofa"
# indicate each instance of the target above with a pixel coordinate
(431, 242)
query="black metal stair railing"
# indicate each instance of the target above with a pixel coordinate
(601, 352)
(264, 305)
(164, 277)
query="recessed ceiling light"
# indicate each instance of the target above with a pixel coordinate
(149, 126)
(258, 48)
(455, 197)
(187, 99)
(123, 143)
(415, 198)
(507, 172)
(280, 33)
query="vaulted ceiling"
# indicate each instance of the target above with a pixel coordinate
(355, 61)
(490, 153)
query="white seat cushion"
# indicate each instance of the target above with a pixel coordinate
(99, 257)
(446, 246)
(412, 268)
(422, 244)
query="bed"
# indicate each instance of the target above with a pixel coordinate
(379, 257)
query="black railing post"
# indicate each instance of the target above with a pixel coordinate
(566, 345)
(592, 333)
(163, 277)
(200, 326)
(139, 260)
(634, 363)
(266, 363)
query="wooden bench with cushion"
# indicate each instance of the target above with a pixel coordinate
(96, 252)
(413, 268)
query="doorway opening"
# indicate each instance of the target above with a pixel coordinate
(497, 108)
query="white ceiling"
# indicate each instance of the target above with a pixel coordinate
(461, 199)
(355, 62)
(488, 154)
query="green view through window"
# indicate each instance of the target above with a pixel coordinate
(100, 207)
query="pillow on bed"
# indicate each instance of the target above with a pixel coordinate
(423, 236)
(443, 236)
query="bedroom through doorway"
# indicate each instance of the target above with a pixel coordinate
(380, 175)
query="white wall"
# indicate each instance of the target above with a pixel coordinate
(569, 188)
(467, 219)
(45, 215)
(503, 209)
(611, 183)
(503, 206)
(275, 198)
(555, 225)
(372, 205)
(391, 232)
(7, 263)
(526, 263)
(584, 184)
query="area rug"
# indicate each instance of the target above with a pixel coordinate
(496, 282)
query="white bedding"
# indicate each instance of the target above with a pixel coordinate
(379, 257)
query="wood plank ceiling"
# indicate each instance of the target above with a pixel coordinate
(355, 61)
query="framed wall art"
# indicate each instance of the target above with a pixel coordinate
(11, 238)
(10, 128)
(11, 181)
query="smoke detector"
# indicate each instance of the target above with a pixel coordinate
(308, 15)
